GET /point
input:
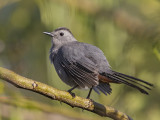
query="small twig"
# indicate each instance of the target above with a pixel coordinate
(62, 96)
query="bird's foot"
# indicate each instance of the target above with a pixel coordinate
(72, 94)
(89, 99)
(70, 91)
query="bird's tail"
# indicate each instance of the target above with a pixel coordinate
(139, 84)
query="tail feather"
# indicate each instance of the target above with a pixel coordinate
(130, 81)
(131, 77)
(103, 87)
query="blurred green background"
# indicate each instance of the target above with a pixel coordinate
(128, 32)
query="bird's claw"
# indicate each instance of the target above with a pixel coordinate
(90, 99)
(72, 94)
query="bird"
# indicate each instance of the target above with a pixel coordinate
(84, 66)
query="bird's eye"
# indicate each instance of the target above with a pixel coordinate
(61, 34)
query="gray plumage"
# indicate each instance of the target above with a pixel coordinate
(84, 65)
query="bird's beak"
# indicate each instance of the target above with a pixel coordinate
(48, 33)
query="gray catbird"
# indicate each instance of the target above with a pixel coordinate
(81, 65)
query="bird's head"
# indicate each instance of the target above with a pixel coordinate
(61, 36)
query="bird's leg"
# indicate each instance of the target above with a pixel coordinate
(70, 90)
(88, 97)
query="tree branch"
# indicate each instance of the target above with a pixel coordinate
(63, 96)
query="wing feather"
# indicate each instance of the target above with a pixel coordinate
(77, 71)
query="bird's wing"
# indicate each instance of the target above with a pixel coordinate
(78, 65)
